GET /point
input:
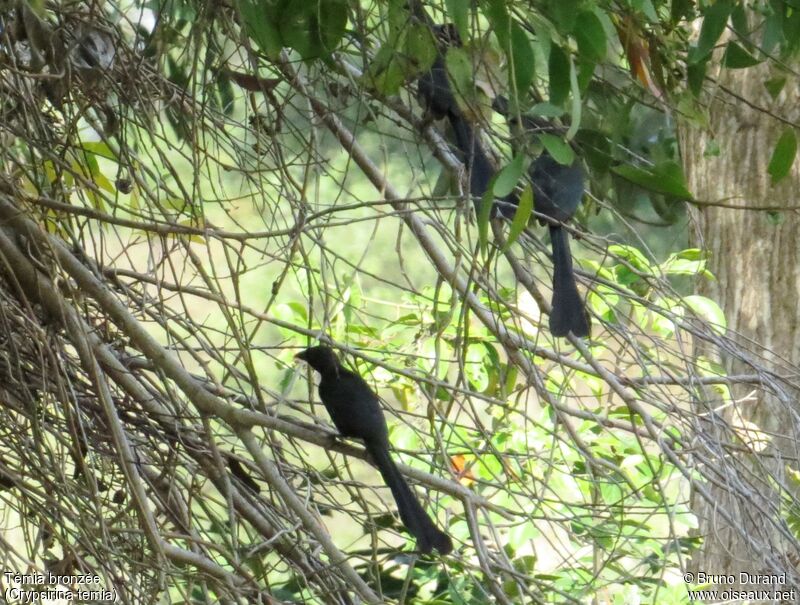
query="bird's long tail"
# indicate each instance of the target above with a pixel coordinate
(414, 517)
(568, 313)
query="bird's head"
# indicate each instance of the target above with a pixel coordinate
(321, 358)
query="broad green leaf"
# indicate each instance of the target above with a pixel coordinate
(546, 110)
(521, 216)
(558, 68)
(103, 183)
(737, 57)
(420, 50)
(688, 254)
(714, 21)
(783, 155)
(484, 213)
(696, 76)
(561, 151)
(596, 149)
(591, 37)
(739, 20)
(497, 14)
(680, 9)
(632, 255)
(313, 27)
(791, 26)
(684, 266)
(459, 69)
(773, 33)
(708, 310)
(646, 6)
(522, 59)
(458, 10)
(602, 300)
(385, 73)
(564, 13)
(225, 92)
(257, 17)
(96, 200)
(99, 148)
(775, 85)
(666, 178)
(508, 177)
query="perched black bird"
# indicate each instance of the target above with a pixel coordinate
(436, 96)
(356, 412)
(557, 193)
(558, 189)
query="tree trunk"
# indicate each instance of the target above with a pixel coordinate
(755, 256)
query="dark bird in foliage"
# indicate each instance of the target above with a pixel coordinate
(558, 189)
(436, 96)
(356, 412)
(557, 193)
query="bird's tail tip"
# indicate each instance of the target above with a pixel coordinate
(575, 321)
(435, 540)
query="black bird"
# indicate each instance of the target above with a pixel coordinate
(558, 189)
(356, 412)
(557, 193)
(436, 96)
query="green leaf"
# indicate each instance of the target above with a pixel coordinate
(783, 155)
(739, 21)
(775, 85)
(680, 9)
(632, 255)
(226, 94)
(458, 10)
(546, 110)
(791, 27)
(497, 14)
(521, 216)
(313, 28)
(484, 213)
(257, 17)
(681, 264)
(558, 68)
(708, 310)
(385, 73)
(773, 34)
(522, 60)
(696, 76)
(561, 151)
(420, 50)
(459, 69)
(564, 13)
(99, 148)
(666, 178)
(508, 177)
(689, 254)
(714, 21)
(577, 101)
(596, 149)
(737, 57)
(775, 218)
(591, 37)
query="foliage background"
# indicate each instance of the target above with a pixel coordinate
(192, 192)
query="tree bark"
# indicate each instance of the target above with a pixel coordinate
(755, 256)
